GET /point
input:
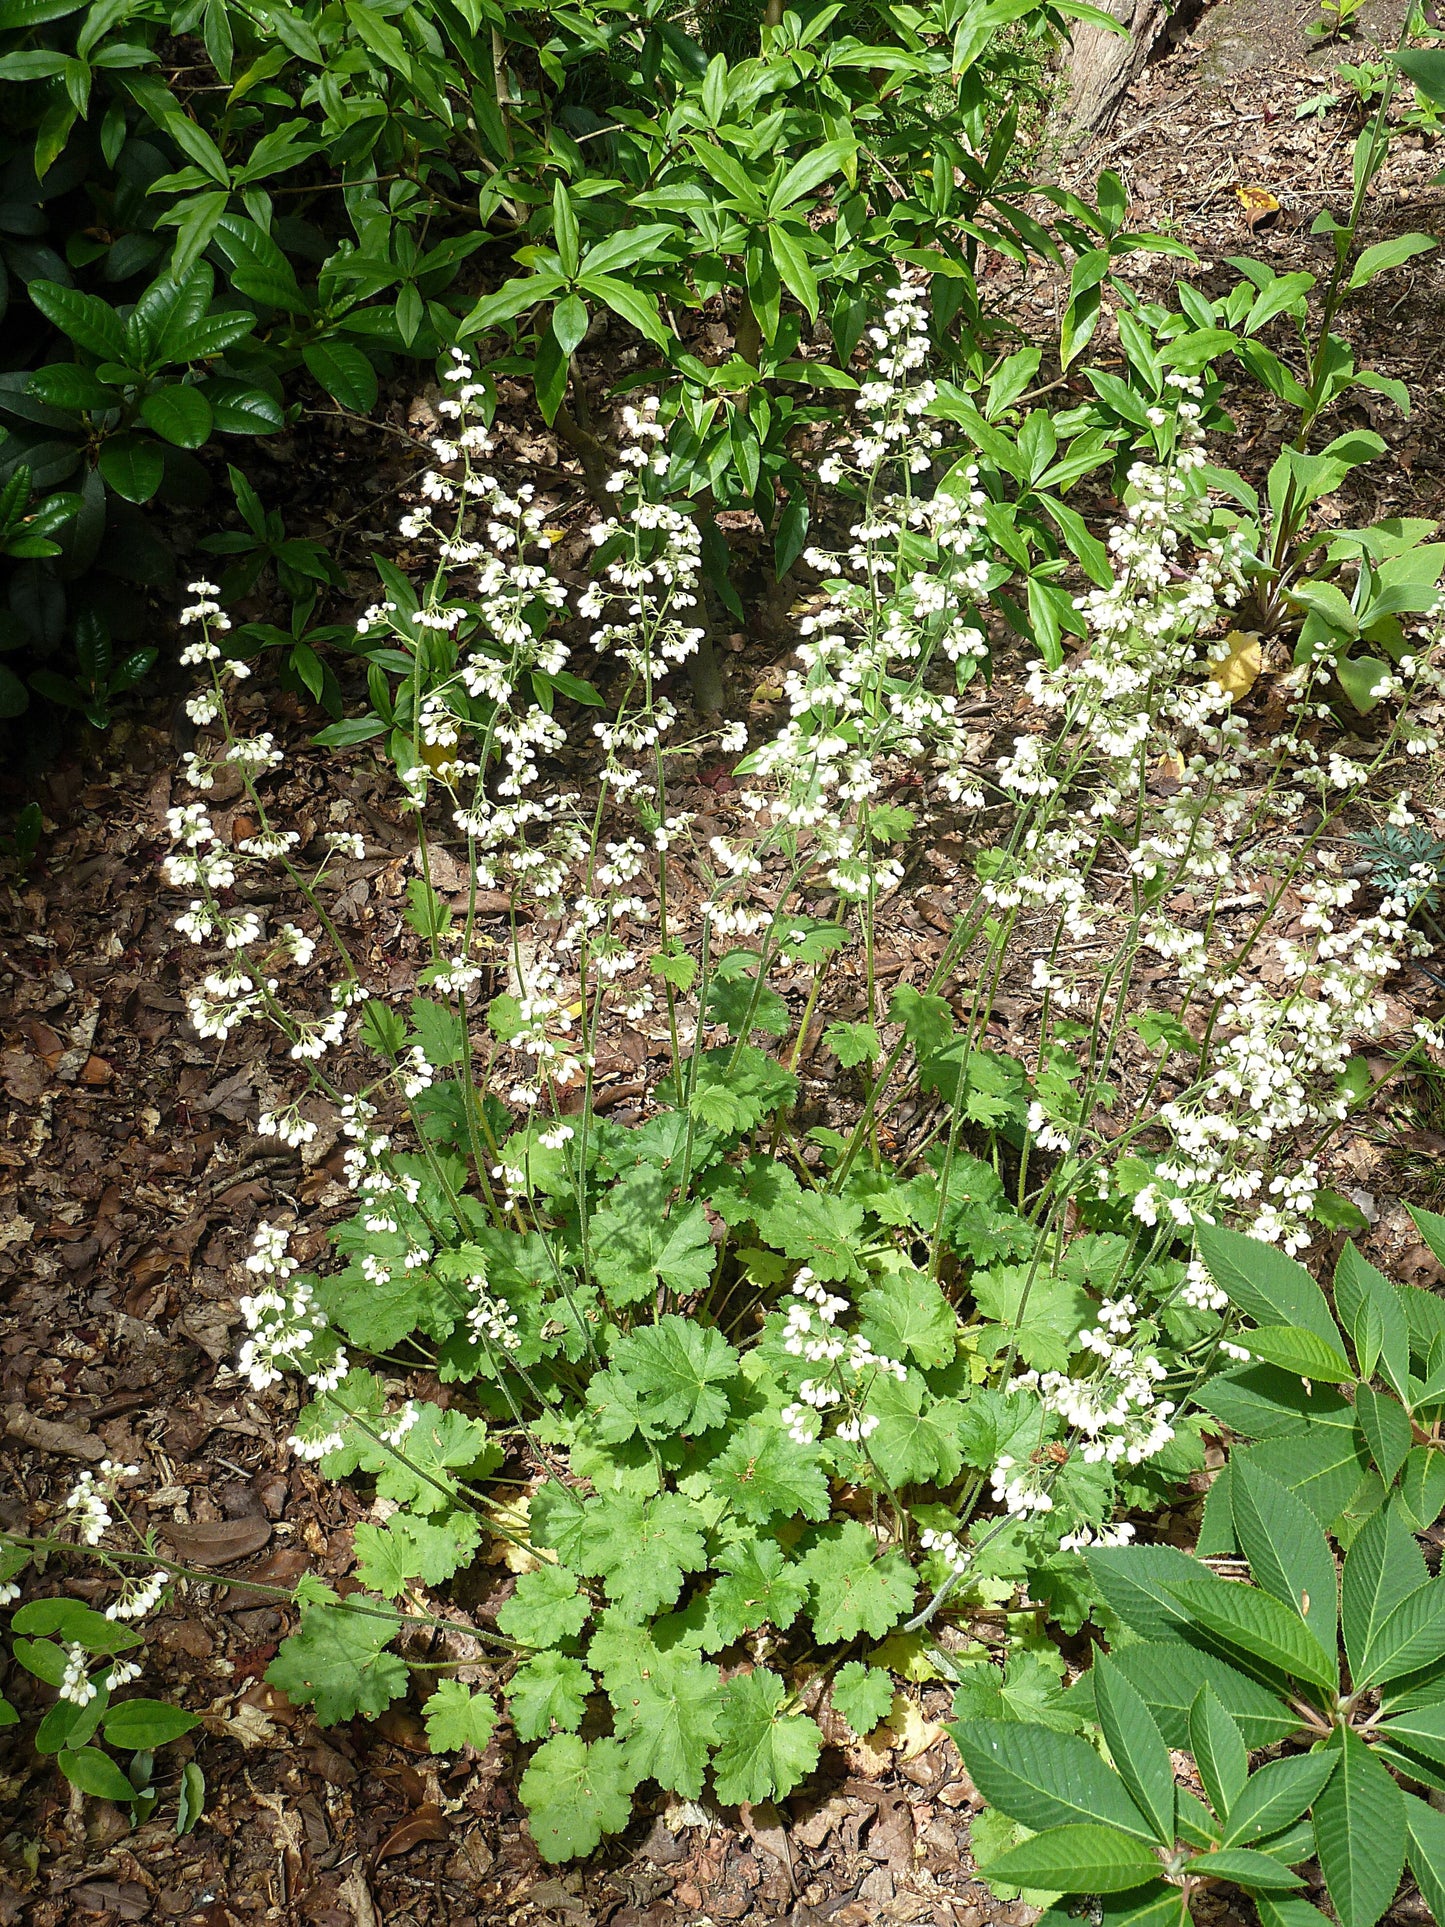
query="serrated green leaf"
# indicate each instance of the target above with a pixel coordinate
(1137, 1748)
(758, 1586)
(550, 1689)
(1360, 1833)
(456, 1717)
(1258, 1627)
(1138, 1583)
(1422, 1729)
(1218, 1748)
(1359, 1288)
(1293, 1348)
(1425, 1844)
(339, 1663)
(1386, 1426)
(854, 1589)
(1276, 1796)
(1271, 1288)
(763, 1473)
(1412, 1635)
(1046, 1313)
(763, 1751)
(1422, 1485)
(575, 1793)
(1045, 1779)
(862, 1694)
(1076, 1859)
(1287, 1551)
(1247, 1869)
(670, 1717)
(546, 1609)
(636, 1246)
(1383, 1567)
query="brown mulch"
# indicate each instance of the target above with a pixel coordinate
(131, 1179)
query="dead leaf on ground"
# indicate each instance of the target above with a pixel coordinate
(911, 1733)
(218, 1542)
(427, 1823)
(1258, 203)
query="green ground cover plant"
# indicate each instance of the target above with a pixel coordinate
(765, 1401)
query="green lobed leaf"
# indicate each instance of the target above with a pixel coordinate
(764, 1751)
(575, 1793)
(758, 1585)
(854, 1589)
(546, 1609)
(551, 1689)
(862, 1694)
(763, 1473)
(455, 1717)
(906, 1316)
(339, 1663)
(670, 1716)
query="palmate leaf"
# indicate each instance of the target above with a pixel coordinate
(854, 1590)
(759, 1586)
(670, 1717)
(764, 1751)
(1076, 1859)
(1136, 1747)
(338, 1662)
(550, 1690)
(862, 1694)
(905, 1315)
(1045, 1312)
(546, 1608)
(1045, 1779)
(456, 1717)
(639, 1548)
(391, 1556)
(636, 1245)
(678, 1370)
(575, 1793)
(764, 1473)
(1360, 1833)
(1287, 1551)
(916, 1439)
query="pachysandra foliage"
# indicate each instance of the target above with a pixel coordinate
(770, 1394)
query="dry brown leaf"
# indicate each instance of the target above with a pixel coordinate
(427, 1823)
(220, 1541)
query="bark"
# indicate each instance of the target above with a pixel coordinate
(1105, 65)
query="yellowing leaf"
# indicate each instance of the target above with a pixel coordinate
(1237, 672)
(1258, 204)
(514, 1519)
(910, 1732)
(906, 1656)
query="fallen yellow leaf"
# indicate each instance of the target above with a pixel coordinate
(1258, 204)
(1237, 671)
(912, 1733)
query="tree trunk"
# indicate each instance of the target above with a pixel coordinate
(1105, 65)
